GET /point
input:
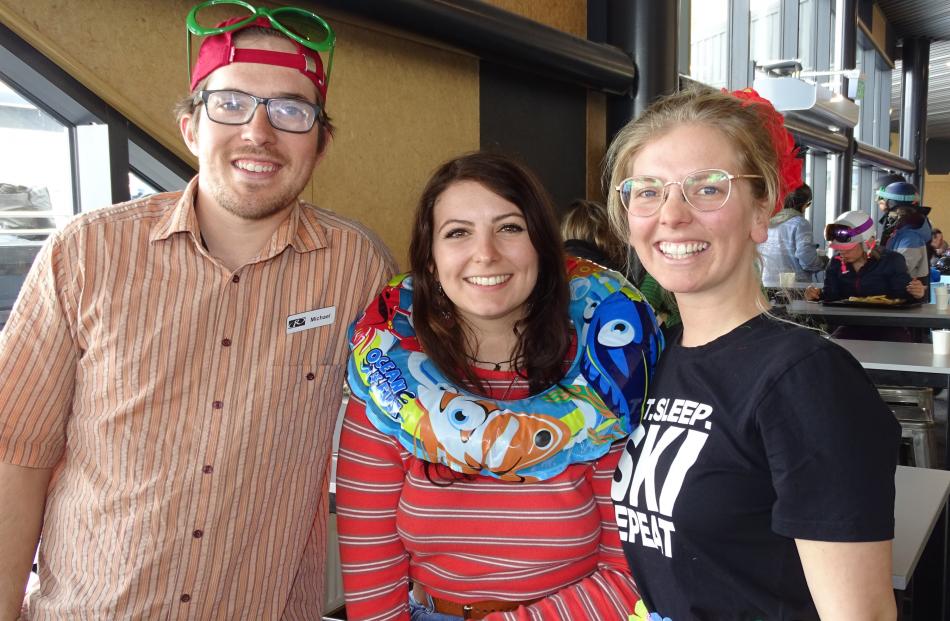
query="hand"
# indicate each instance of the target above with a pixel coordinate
(915, 288)
(812, 294)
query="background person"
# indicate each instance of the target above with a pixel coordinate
(938, 246)
(860, 268)
(906, 227)
(585, 229)
(432, 491)
(762, 483)
(177, 362)
(790, 246)
(587, 234)
(882, 182)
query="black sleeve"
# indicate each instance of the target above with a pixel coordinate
(832, 288)
(897, 276)
(832, 447)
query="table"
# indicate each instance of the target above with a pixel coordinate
(918, 358)
(921, 497)
(923, 316)
(930, 588)
(795, 286)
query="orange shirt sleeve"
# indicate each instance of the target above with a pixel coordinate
(38, 358)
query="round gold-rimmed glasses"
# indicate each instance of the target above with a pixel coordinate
(704, 190)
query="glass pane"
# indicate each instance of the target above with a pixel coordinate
(894, 112)
(765, 30)
(139, 187)
(806, 34)
(860, 133)
(35, 186)
(832, 54)
(708, 42)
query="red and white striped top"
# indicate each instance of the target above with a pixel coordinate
(189, 427)
(478, 538)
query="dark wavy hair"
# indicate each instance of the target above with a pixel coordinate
(544, 332)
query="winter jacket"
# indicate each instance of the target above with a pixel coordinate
(910, 238)
(884, 276)
(789, 248)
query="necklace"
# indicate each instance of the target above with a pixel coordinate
(495, 366)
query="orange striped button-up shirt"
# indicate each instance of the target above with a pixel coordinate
(187, 410)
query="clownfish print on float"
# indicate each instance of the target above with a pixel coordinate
(652, 469)
(474, 434)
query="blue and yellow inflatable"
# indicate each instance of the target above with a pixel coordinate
(598, 401)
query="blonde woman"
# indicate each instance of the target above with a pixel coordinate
(760, 483)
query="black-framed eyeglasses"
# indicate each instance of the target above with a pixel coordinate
(704, 190)
(237, 108)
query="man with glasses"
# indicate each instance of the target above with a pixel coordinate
(171, 375)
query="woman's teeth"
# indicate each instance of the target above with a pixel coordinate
(488, 281)
(681, 250)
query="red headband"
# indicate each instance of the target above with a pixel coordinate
(789, 164)
(218, 51)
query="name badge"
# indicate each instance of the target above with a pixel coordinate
(311, 319)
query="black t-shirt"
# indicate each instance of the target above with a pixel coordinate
(767, 434)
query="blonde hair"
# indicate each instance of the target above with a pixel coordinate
(588, 221)
(741, 123)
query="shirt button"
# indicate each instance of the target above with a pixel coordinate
(185, 598)
(207, 469)
(217, 405)
(198, 534)
(311, 376)
(226, 342)
(235, 278)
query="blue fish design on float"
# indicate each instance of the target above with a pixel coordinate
(618, 372)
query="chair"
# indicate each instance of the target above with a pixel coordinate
(913, 407)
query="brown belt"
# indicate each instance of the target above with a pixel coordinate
(471, 610)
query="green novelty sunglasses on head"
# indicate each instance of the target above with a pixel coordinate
(300, 25)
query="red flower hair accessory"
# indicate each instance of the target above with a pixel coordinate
(789, 164)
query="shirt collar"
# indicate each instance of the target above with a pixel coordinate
(301, 230)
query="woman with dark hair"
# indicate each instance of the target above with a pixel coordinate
(489, 392)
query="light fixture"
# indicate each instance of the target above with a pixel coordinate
(783, 83)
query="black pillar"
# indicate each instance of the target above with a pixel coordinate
(849, 60)
(645, 29)
(913, 126)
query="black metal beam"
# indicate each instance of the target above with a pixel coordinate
(913, 125)
(867, 154)
(817, 138)
(501, 37)
(848, 36)
(645, 29)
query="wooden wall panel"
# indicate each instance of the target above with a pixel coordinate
(567, 15)
(401, 106)
(596, 145)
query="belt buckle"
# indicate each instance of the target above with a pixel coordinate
(466, 611)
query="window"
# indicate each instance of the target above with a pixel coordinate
(36, 193)
(139, 187)
(765, 30)
(807, 33)
(61, 157)
(709, 42)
